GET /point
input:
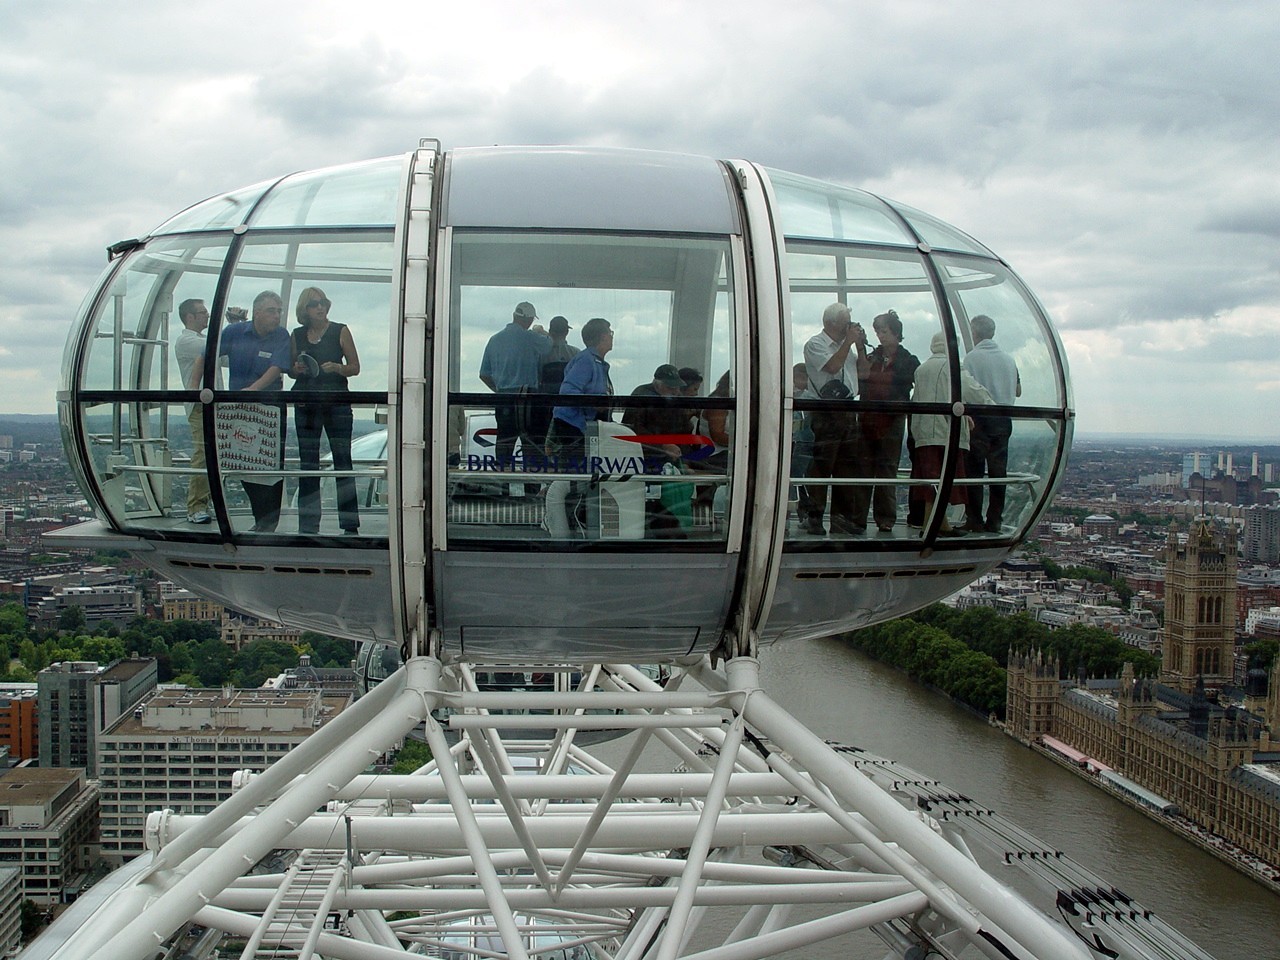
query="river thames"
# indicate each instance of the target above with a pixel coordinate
(842, 695)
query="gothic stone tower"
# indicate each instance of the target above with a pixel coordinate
(1200, 607)
(1031, 693)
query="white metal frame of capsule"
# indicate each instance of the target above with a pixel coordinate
(723, 265)
(480, 855)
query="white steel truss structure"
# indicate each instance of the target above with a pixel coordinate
(758, 838)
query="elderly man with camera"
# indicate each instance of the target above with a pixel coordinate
(835, 360)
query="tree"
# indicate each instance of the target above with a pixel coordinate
(32, 919)
(13, 618)
(1262, 653)
(102, 649)
(261, 659)
(71, 619)
(328, 651)
(211, 662)
(180, 659)
(411, 756)
(31, 657)
(187, 680)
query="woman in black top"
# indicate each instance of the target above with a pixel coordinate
(324, 358)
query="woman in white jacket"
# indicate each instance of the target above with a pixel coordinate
(930, 431)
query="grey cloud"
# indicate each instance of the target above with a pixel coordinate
(1259, 219)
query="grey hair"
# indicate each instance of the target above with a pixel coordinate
(835, 312)
(983, 327)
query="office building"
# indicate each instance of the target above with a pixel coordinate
(116, 604)
(78, 699)
(178, 750)
(48, 825)
(1194, 463)
(178, 603)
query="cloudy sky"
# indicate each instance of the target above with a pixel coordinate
(1121, 156)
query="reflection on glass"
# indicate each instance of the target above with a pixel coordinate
(983, 288)
(869, 283)
(668, 300)
(353, 270)
(931, 433)
(882, 304)
(612, 487)
(1033, 453)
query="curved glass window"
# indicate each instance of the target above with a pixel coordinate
(987, 288)
(939, 235)
(288, 463)
(823, 211)
(354, 195)
(555, 435)
(141, 448)
(852, 466)
(138, 315)
(151, 444)
(220, 212)
(352, 269)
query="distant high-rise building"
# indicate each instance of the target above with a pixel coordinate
(78, 699)
(1194, 463)
(1199, 607)
(1253, 471)
(1261, 534)
(178, 750)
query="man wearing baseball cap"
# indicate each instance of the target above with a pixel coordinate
(512, 364)
(664, 416)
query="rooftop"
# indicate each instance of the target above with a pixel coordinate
(28, 786)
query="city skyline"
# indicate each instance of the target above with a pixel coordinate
(1117, 157)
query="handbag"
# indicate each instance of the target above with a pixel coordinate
(834, 390)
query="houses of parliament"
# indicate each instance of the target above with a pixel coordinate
(1189, 740)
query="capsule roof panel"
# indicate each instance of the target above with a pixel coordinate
(586, 188)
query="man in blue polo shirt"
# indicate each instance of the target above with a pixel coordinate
(587, 374)
(257, 354)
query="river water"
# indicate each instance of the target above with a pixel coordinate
(842, 695)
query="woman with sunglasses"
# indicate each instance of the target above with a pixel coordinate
(324, 359)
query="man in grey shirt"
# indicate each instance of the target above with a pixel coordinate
(989, 439)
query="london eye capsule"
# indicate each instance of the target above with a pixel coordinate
(563, 404)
